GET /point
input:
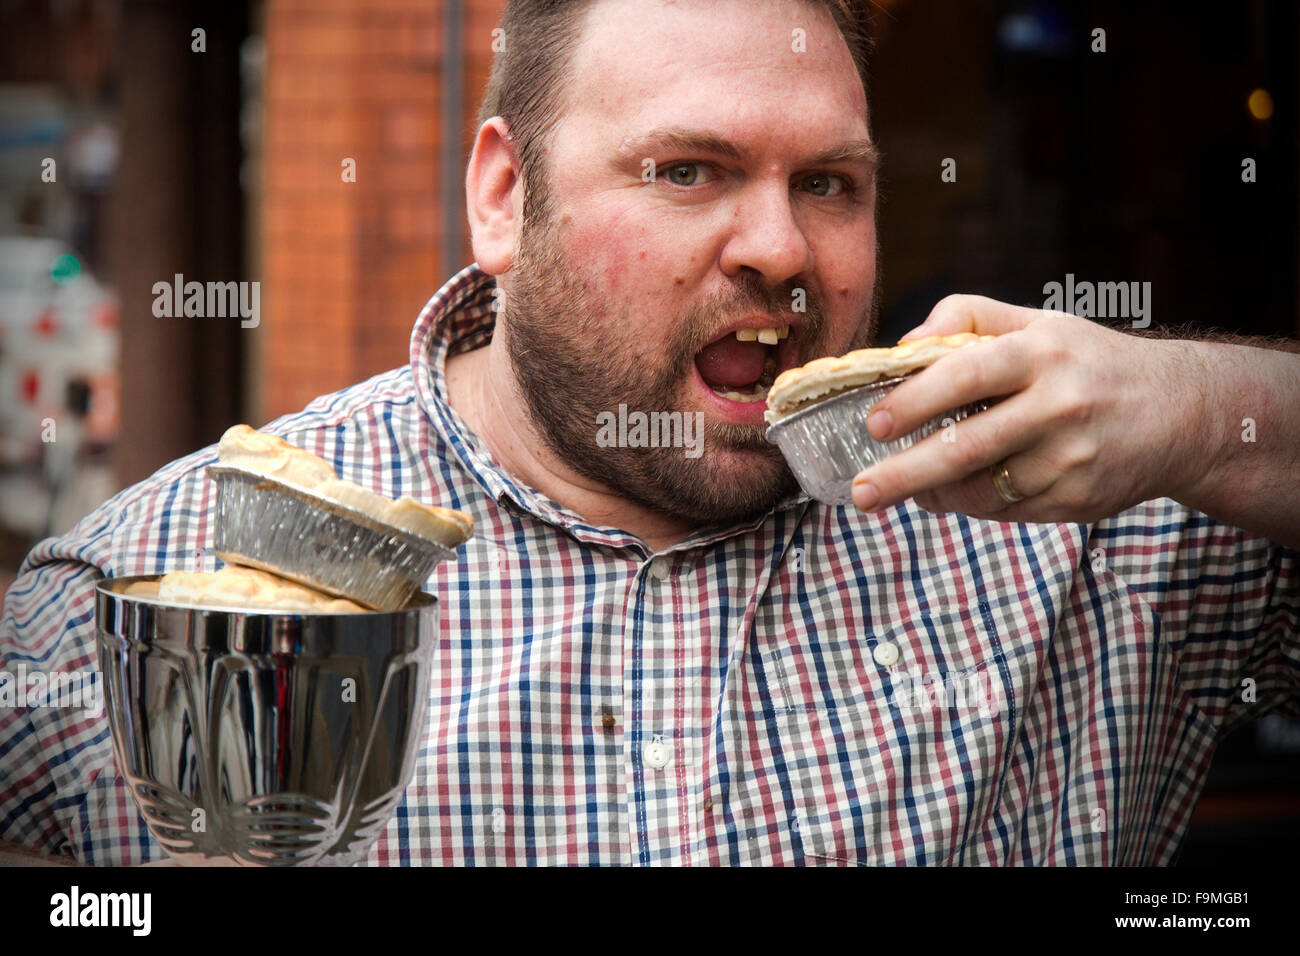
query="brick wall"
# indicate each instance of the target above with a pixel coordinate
(347, 265)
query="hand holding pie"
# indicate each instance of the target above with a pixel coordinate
(1084, 421)
(816, 411)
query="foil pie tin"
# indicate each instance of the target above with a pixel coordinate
(267, 524)
(827, 444)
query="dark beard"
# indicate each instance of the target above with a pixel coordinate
(555, 330)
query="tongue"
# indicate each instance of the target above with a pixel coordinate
(731, 363)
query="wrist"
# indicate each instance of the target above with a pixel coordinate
(1217, 404)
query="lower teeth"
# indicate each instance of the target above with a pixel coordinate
(758, 391)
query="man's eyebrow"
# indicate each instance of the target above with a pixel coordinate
(679, 140)
(861, 152)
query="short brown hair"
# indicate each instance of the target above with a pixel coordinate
(529, 74)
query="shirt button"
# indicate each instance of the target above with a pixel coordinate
(608, 721)
(886, 653)
(657, 754)
(659, 568)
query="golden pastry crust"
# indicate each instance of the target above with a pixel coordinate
(447, 527)
(244, 448)
(141, 589)
(239, 587)
(797, 388)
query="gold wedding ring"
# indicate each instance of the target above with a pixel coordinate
(1002, 482)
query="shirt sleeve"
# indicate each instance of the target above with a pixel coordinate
(60, 790)
(1226, 601)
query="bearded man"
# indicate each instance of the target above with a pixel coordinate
(648, 657)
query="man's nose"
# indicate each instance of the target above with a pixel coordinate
(765, 236)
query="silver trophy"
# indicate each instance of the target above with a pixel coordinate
(264, 738)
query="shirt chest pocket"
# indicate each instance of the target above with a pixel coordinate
(895, 741)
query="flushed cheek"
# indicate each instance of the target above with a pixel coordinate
(637, 269)
(848, 292)
(630, 291)
(611, 252)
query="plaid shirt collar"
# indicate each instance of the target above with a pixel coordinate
(460, 318)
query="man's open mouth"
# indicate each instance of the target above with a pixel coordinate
(742, 364)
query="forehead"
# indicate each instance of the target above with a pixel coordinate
(771, 70)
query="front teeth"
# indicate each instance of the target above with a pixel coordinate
(737, 397)
(768, 336)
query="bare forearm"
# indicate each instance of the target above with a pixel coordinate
(1244, 462)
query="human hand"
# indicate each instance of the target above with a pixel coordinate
(1093, 421)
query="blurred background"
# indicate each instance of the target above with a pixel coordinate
(145, 139)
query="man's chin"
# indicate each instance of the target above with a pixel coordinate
(729, 482)
(750, 440)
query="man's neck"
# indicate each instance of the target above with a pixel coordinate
(482, 391)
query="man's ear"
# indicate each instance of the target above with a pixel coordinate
(494, 195)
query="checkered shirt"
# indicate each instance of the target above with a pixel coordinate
(815, 686)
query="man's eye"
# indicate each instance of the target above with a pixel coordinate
(685, 174)
(822, 184)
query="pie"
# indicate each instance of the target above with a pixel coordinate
(235, 586)
(249, 450)
(797, 388)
